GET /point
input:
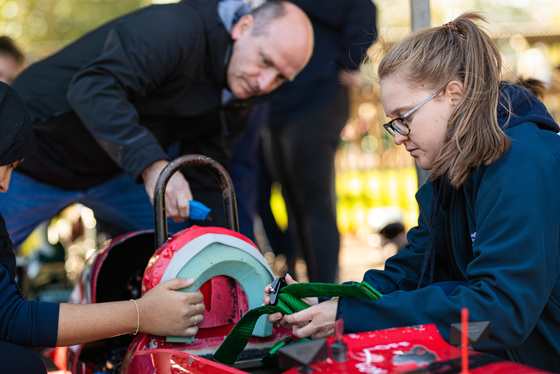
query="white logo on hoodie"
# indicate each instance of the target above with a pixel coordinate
(473, 237)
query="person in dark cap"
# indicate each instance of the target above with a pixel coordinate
(30, 323)
(11, 59)
(302, 135)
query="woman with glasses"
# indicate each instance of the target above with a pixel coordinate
(488, 234)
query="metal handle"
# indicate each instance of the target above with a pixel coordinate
(228, 192)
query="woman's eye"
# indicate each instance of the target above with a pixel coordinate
(406, 120)
(400, 121)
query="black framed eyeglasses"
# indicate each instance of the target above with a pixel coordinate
(399, 124)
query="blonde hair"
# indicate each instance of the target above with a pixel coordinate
(462, 51)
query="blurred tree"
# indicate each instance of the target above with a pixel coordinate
(43, 26)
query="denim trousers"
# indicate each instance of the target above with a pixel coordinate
(119, 202)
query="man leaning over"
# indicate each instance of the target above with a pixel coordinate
(109, 107)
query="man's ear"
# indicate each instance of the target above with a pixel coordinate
(244, 25)
(454, 91)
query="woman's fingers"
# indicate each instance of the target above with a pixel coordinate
(176, 283)
(316, 321)
(183, 309)
(275, 317)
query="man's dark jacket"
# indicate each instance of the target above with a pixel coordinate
(118, 96)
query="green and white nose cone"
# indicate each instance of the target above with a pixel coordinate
(213, 254)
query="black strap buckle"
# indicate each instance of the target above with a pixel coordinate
(275, 288)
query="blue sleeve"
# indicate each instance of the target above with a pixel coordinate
(516, 264)
(26, 322)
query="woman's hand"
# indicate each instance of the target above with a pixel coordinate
(316, 321)
(163, 311)
(278, 317)
(166, 311)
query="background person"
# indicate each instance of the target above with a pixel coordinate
(303, 129)
(29, 323)
(107, 108)
(11, 59)
(487, 234)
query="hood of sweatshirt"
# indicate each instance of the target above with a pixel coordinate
(518, 105)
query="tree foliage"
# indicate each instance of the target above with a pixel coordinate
(42, 26)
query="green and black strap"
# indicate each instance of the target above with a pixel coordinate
(285, 299)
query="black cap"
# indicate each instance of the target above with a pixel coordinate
(15, 129)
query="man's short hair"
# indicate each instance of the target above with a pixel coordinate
(266, 13)
(8, 47)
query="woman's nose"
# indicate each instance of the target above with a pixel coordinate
(399, 138)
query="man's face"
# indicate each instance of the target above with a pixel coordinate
(8, 68)
(260, 63)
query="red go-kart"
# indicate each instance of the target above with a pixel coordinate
(231, 273)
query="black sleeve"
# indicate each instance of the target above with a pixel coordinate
(356, 20)
(360, 31)
(141, 51)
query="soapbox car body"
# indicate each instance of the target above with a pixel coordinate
(231, 272)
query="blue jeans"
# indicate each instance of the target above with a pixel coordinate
(119, 202)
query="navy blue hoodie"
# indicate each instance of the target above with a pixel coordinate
(497, 242)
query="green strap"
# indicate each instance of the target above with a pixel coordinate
(289, 301)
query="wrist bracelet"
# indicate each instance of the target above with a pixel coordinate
(137, 317)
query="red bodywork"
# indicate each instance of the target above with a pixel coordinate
(116, 272)
(418, 349)
(128, 266)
